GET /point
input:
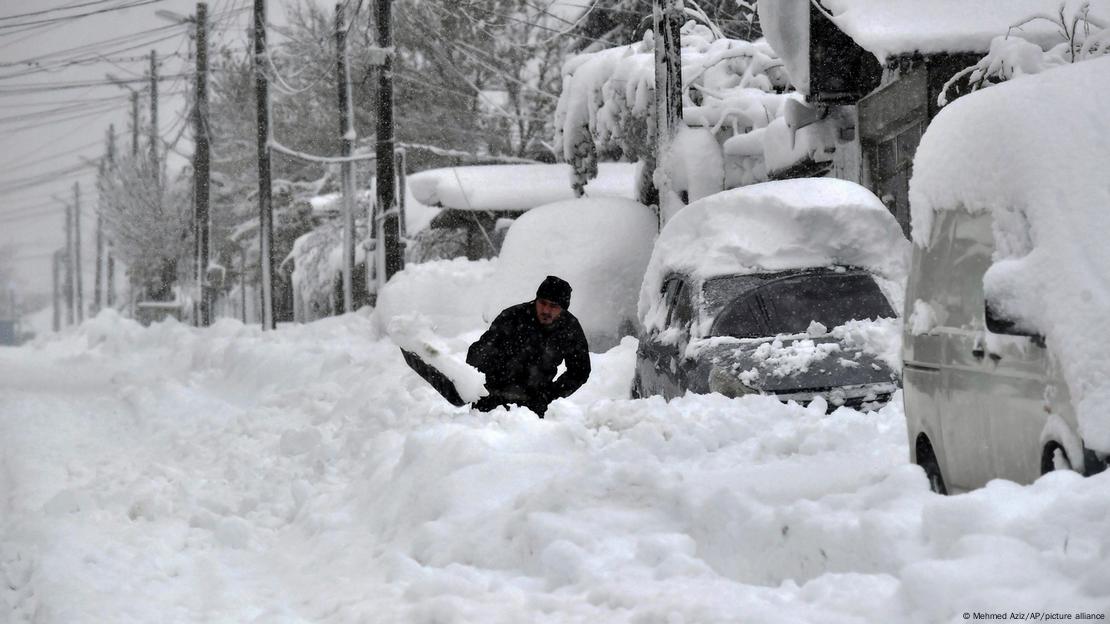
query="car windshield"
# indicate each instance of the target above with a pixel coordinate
(788, 305)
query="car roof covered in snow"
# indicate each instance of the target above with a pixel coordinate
(1033, 152)
(516, 187)
(776, 226)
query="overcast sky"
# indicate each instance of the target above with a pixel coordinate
(54, 115)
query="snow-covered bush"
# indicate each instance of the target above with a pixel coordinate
(730, 89)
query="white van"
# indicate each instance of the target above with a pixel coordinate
(1004, 365)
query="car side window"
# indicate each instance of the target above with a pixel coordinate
(682, 314)
(670, 294)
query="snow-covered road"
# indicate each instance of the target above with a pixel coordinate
(168, 474)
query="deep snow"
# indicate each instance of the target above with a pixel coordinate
(170, 474)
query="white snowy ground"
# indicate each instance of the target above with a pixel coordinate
(169, 474)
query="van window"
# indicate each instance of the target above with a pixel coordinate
(970, 256)
(931, 265)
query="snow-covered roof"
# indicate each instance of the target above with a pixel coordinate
(892, 27)
(776, 226)
(888, 28)
(1033, 152)
(515, 187)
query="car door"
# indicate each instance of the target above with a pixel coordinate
(922, 342)
(966, 406)
(994, 381)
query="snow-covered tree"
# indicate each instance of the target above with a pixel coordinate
(149, 219)
(732, 91)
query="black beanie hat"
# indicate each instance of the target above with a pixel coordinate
(555, 290)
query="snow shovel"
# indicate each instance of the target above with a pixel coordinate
(442, 384)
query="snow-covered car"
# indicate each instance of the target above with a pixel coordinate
(1007, 369)
(786, 288)
(477, 201)
(600, 245)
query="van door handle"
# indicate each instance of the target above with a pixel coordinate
(978, 353)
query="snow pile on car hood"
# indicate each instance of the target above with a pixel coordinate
(600, 246)
(777, 226)
(1034, 153)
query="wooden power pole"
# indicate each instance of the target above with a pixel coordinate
(265, 200)
(347, 138)
(201, 175)
(388, 223)
(70, 316)
(58, 258)
(80, 287)
(668, 16)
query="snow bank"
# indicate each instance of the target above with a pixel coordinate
(306, 474)
(1033, 153)
(600, 246)
(515, 187)
(775, 226)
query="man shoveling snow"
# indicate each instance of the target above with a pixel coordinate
(519, 356)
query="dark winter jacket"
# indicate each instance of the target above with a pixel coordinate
(518, 355)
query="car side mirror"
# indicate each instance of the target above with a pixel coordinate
(998, 324)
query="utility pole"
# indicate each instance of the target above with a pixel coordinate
(69, 266)
(243, 283)
(134, 123)
(77, 251)
(388, 223)
(347, 138)
(98, 285)
(109, 260)
(58, 258)
(201, 166)
(265, 201)
(154, 114)
(401, 185)
(668, 16)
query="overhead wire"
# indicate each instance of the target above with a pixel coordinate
(66, 18)
(67, 7)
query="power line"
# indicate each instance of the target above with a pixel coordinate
(96, 45)
(62, 86)
(67, 18)
(51, 10)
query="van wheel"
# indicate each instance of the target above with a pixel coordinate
(927, 459)
(1053, 458)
